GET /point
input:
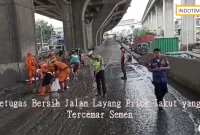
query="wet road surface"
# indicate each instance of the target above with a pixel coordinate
(144, 119)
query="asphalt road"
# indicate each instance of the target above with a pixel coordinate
(128, 109)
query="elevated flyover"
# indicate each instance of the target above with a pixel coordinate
(159, 16)
(84, 22)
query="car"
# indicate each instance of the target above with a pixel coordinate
(142, 49)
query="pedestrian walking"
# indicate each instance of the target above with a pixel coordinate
(158, 65)
(75, 61)
(123, 63)
(97, 64)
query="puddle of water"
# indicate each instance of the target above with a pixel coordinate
(145, 75)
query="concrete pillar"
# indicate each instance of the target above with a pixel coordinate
(67, 23)
(88, 29)
(188, 25)
(101, 36)
(78, 12)
(168, 19)
(103, 16)
(151, 20)
(159, 17)
(156, 19)
(17, 30)
(148, 21)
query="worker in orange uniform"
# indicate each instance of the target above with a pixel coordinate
(46, 77)
(31, 67)
(51, 65)
(62, 70)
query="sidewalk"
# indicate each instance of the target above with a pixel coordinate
(81, 88)
(14, 118)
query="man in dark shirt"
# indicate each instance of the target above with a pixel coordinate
(123, 62)
(158, 65)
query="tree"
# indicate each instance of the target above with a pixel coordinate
(142, 32)
(44, 31)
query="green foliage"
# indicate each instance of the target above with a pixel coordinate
(43, 30)
(142, 32)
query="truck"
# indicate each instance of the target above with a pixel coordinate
(142, 39)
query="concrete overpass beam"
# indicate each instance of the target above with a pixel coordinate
(168, 20)
(103, 16)
(79, 8)
(188, 26)
(17, 29)
(67, 23)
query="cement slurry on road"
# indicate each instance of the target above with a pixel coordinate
(128, 109)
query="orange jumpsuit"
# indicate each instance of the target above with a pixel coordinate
(30, 66)
(63, 71)
(46, 77)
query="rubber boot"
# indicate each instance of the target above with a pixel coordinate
(61, 86)
(65, 85)
(49, 88)
(41, 91)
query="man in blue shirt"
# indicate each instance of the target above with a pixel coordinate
(158, 65)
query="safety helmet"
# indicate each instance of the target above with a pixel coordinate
(29, 53)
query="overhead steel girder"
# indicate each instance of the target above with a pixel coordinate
(114, 18)
(97, 25)
(96, 3)
(45, 7)
(53, 13)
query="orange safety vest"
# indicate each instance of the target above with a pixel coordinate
(30, 62)
(43, 66)
(61, 65)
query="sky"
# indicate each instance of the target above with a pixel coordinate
(134, 12)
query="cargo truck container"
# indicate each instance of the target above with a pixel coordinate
(143, 39)
(165, 44)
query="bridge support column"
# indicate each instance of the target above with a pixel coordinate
(67, 23)
(154, 20)
(151, 20)
(168, 19)
(88, 30)
(78, 11)
(148, 21)
(159, 17)
(17, 28)
(18, 36)
(188, 26)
